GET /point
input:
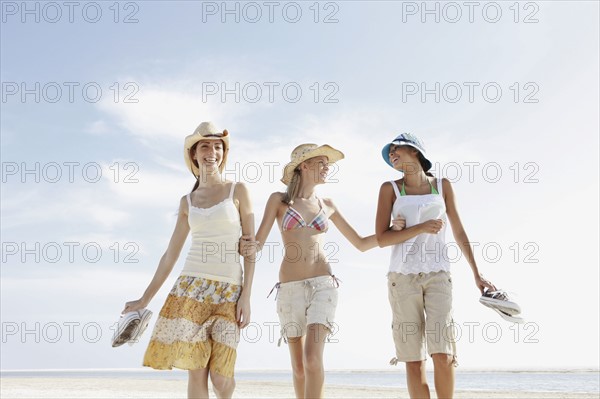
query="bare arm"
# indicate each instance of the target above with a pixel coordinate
(250, 245)
(385, 236)
(269, 217)
(361, 243)
(167, 261)
(461, 236)
(247, 221)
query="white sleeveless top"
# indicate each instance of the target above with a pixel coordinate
(215, 235)
(424, 253)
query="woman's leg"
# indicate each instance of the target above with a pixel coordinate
(198, 383)
(313, 354)
(416, 380)
(443, 372)
(296, 346)
(441, 339)
(222, 385)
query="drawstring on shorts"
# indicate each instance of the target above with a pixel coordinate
(454, 361)
(277, 285)
(336, 281)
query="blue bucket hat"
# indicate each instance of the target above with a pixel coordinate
(410, 140)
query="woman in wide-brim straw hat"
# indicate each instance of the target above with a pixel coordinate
(419, 281)
(198, 326)
(307, 289)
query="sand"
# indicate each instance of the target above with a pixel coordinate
(143, 388)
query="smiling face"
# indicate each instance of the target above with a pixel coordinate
(315, 169)
(404, 158)
(208, 154)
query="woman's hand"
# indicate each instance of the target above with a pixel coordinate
(432, 226)
(398, 224)
(248, 246)
(243, 310)
(134, 305)
(483, 283)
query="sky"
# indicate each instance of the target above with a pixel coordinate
(97, 98)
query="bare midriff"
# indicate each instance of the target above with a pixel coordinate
(305, 255)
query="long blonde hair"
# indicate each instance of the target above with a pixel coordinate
(293, 187)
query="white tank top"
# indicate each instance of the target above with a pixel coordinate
(424, 253)
(215, 235)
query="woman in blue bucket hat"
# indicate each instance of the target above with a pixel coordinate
(419, 281)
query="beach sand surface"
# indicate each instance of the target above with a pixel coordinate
(13, 387)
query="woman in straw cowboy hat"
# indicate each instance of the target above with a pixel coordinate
(306, 292)
(198, 326)
(419, 282)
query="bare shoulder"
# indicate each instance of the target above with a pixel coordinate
(446, 184)
(240, 187)
(276, 200)
(329, 203)
(276, 196)
(386, 186)
(387, 189)
(448, 192)
(183, 205)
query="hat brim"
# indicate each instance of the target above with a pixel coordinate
(385, 153)
(193, 139)
(331, 153)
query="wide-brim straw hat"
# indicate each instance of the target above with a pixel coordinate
(307, 151)
(205, 131)
(410, 140)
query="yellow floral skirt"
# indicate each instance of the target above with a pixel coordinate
(196, 327)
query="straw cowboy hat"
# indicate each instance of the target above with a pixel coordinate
(410, 140)
(205, 131)
(307, 151)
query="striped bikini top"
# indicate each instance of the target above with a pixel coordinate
(293, 220)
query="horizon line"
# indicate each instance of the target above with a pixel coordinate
(467, 369)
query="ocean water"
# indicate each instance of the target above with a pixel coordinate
(517, 381)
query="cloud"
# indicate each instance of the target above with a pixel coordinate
(98, 127)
